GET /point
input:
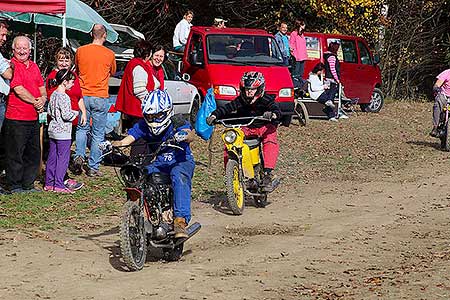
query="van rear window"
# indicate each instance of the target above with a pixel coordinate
(243, 49)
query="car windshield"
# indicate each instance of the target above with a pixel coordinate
(243, 49)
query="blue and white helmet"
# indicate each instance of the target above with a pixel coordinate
(157, 109)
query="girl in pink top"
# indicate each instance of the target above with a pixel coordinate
(297, 43)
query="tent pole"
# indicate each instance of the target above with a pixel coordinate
(35, 43)
(64, 30)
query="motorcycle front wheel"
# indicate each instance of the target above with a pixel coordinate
(235, 189)
(133, 239)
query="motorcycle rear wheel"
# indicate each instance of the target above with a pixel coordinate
(445, 138)
(133, 239)
(235, 189)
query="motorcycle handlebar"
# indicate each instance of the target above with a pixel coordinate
(225, 123)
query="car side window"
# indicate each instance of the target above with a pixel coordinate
(170, 72)
(197, 46)
(366, 59)
(349, 51)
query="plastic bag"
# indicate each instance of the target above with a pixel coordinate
(208, 106)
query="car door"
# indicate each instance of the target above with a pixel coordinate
(366, 70)
(179, 91)
(348, 58)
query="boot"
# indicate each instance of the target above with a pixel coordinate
(179, 226)
(434, 132)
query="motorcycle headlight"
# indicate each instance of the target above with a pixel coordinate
(230, 137)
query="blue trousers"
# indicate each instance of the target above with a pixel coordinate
(181, 174)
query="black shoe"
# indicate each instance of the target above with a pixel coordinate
(434, 132)
(269, 184)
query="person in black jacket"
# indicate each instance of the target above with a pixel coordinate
(251, 102)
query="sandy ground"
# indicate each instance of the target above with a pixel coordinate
(386, 238)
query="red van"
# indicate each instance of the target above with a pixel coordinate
(360, 73)
(218, 57)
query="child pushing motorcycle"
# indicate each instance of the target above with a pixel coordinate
(160, 125)
(253, 102)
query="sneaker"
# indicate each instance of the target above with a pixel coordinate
(330, 103)
(76, 167)
(179, 227)
(94, 173)
(333, 119)
(434, 132)
(73, 184)
(49, 188)
(63, 190)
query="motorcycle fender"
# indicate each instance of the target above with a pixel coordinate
(247, 162)
(254, 153)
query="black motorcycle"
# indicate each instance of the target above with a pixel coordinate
(147, 217)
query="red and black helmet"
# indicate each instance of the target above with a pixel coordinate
(252, 80)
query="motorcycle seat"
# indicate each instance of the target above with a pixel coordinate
(159, 178)
(252, 142)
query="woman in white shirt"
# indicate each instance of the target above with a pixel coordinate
(181, 32)
(324, 94)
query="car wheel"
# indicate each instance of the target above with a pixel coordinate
(194, 110)
(376, 102)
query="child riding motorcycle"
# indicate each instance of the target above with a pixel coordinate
(159, 125)
(251, 102)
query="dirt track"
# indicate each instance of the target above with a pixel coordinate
(383, 238)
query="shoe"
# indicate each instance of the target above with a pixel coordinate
(330, 103)
(434, 132)
(49, 188)
(333, 119)
(73, 184)
(63, 190)
(269, 183)
(94, 173)
(179, 227)
(76, 167)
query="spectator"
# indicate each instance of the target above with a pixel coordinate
(283, 42)
(156, 61)
(64, 60)
(333, 69)
(60, 132)
(21, 127)
(324, 94)
(219, 22)
(297, 43)
(181, 32)
(95, 64)
(137, 82)
(5, 73)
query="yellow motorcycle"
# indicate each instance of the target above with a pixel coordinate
(244, 169)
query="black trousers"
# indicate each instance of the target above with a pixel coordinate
(23, 153)
(329, 94)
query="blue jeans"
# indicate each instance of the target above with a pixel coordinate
(97, 109)
(181, 174)
(299, 68)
